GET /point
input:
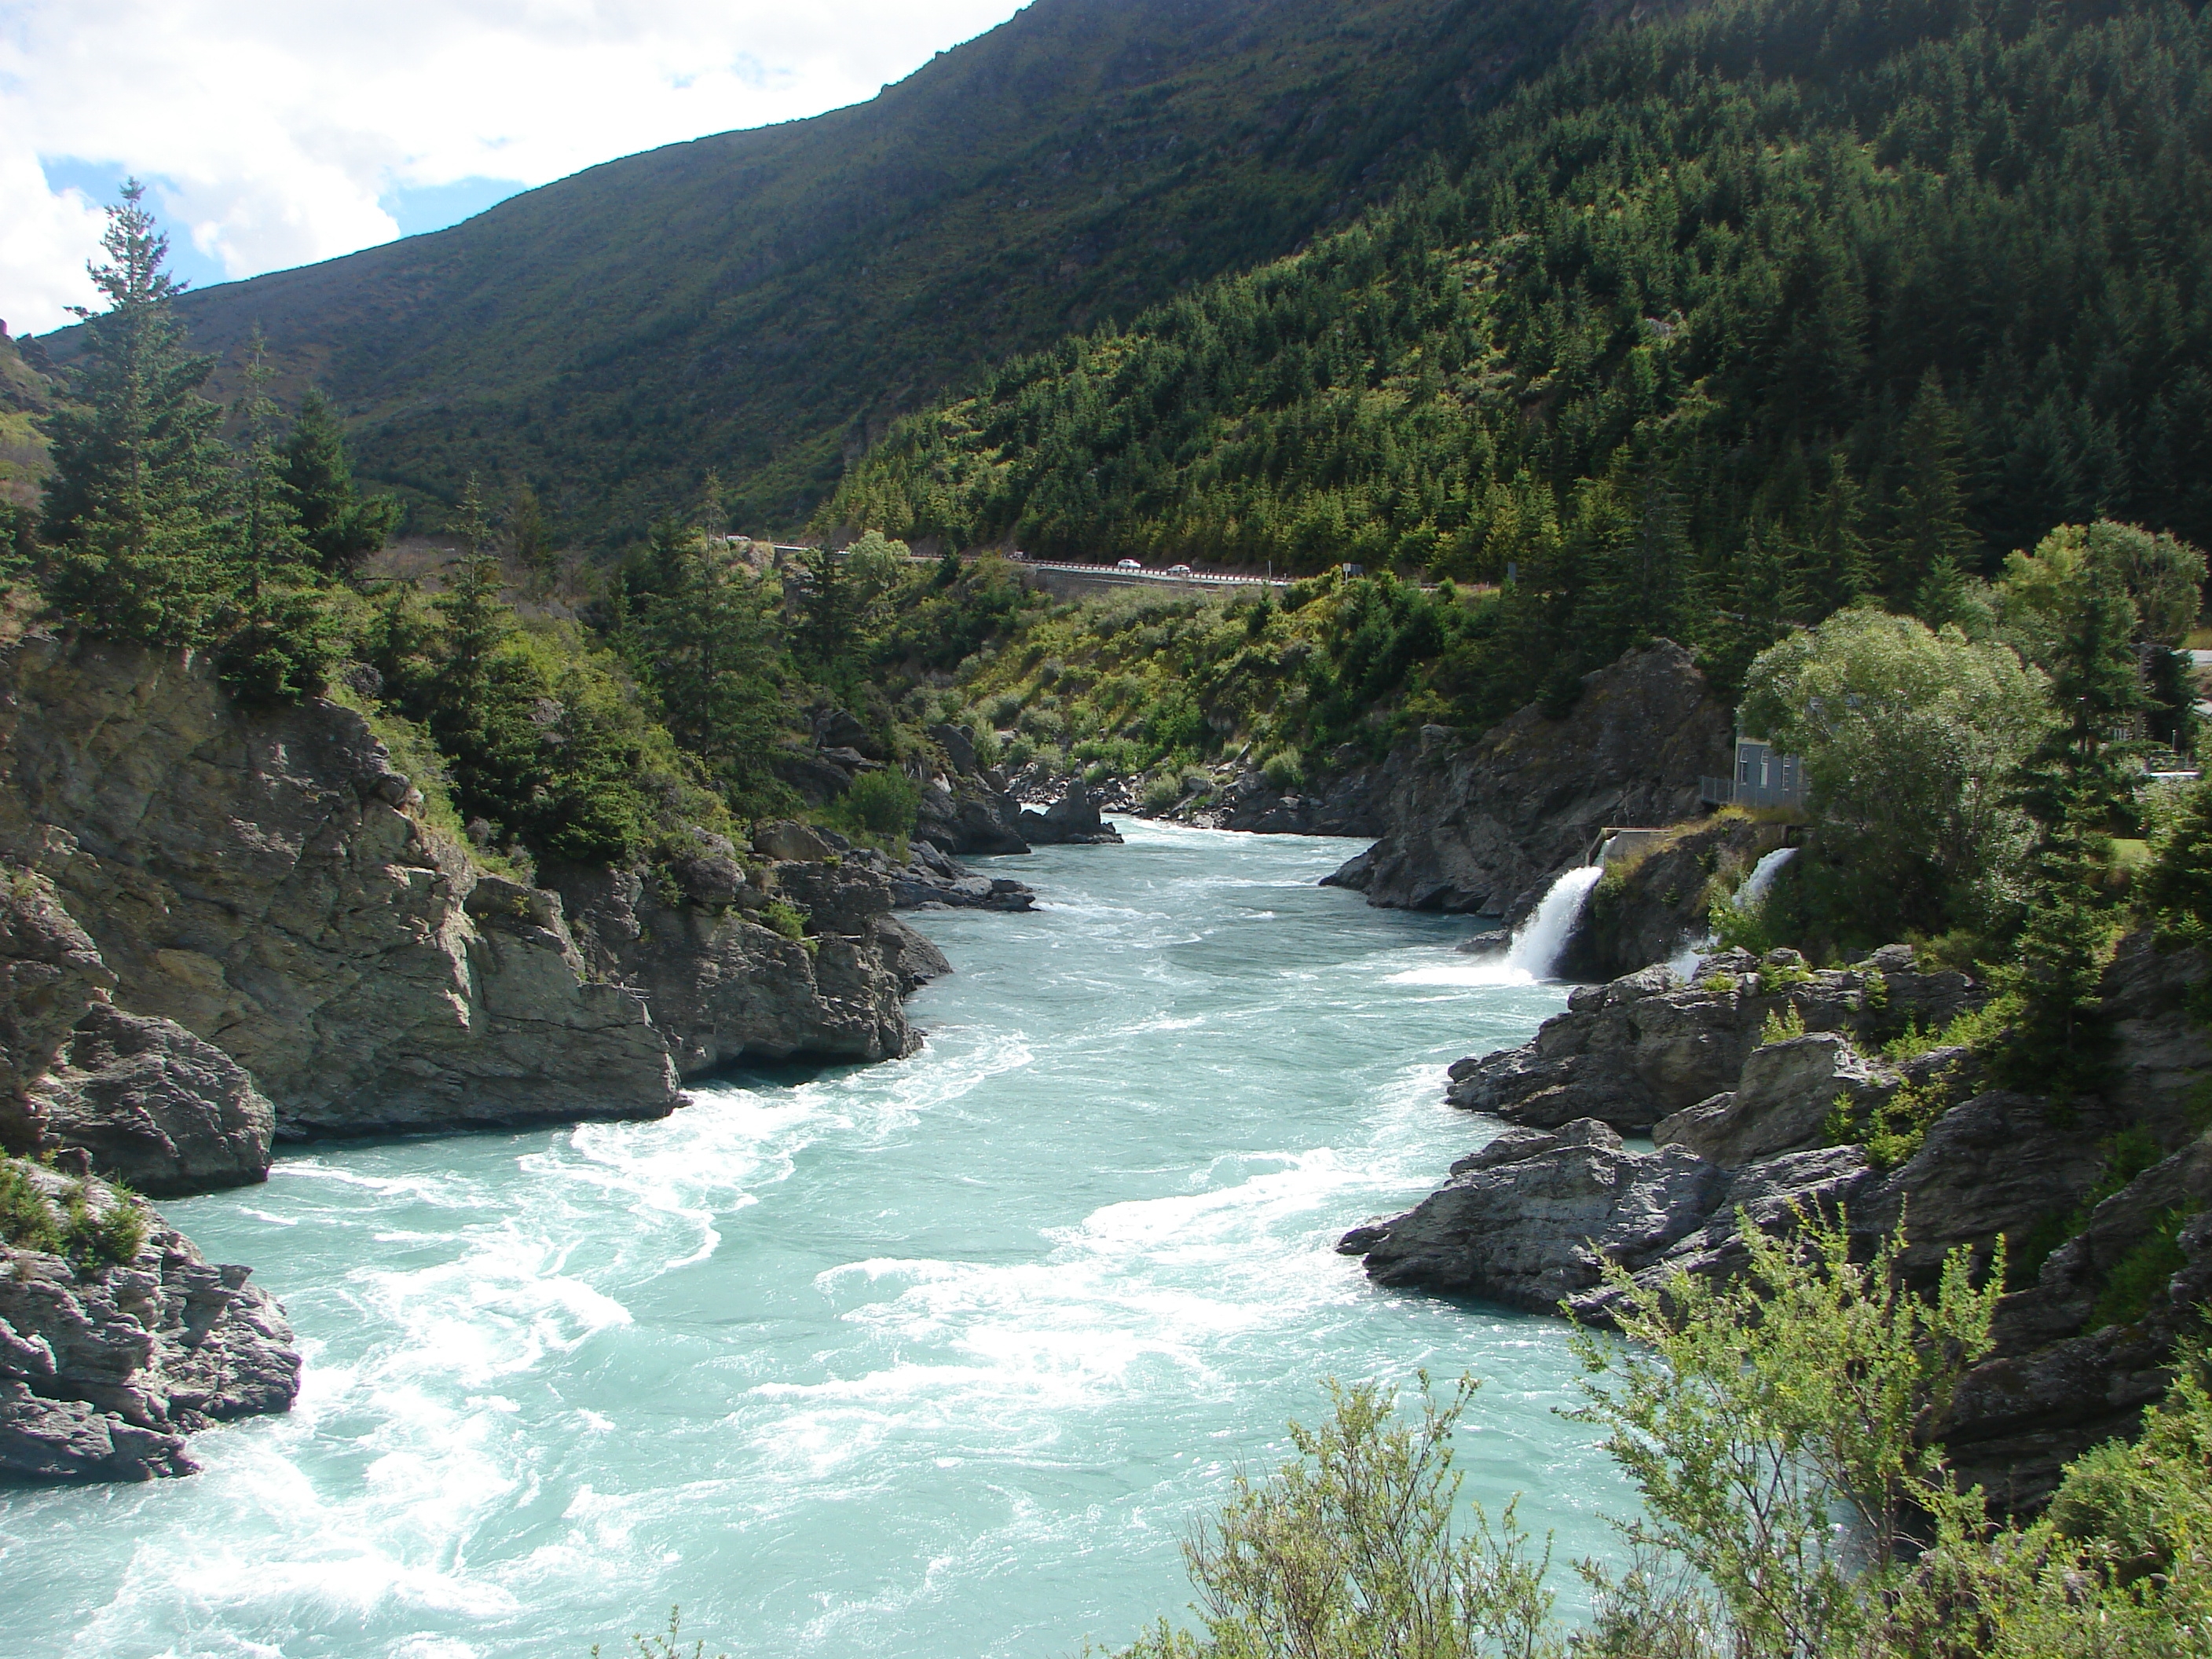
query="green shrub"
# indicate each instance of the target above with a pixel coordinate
(27, 1219)
(110, 1237)
(1284, 772)
(879, 803)
(1162, 791)
(1782, 1024)
(784, 917)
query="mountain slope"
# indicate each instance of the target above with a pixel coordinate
(763, 301)
(1734, 316)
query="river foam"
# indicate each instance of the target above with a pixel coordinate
(938, 1358)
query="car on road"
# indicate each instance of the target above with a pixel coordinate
(1128, 565)
(1178, 570)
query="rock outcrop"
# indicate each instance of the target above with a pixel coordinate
(1073, 820)
(1647, 1046)
(264, 882)
(1482, 826)
(154, 1106)
(105, 1370)
(725, 987)
(1742, 1133)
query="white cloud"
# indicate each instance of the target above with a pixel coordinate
(275, 126)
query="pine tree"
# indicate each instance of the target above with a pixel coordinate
(341, 525)
(285, 642)
(266, 538)
(530, 533)
(2076, 784)
(133, 506)
(1928, 516)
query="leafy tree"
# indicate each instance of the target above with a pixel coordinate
(1909, 740)
(340, 524)
(134, 508)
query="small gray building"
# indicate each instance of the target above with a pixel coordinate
(1764, 777)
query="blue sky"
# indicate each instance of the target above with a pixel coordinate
(272, 133)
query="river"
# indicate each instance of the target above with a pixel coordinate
(935, 1358)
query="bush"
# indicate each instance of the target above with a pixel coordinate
(27, 1219)
(1284, 772)
(782, 916)
(110, 1237)
(879, 803)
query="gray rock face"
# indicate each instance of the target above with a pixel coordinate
(263, 882)
(724, 988)
(103, 1373)
(50, 975)
(1483, 827)
(1781, 1102)
(1645, 1048)
(155, 1106)
(1533, 1224)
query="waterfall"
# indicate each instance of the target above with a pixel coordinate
(1756, 886)
(1539, 942)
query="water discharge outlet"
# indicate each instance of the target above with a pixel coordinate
(1540, 942)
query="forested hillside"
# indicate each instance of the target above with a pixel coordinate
(1729, 317)
(762, 302)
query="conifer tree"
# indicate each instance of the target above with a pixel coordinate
(284, 643)
(530, 533)
(1928, 516)
(340, 524)
(135, 505)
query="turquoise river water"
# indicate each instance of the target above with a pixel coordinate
(930, 1360)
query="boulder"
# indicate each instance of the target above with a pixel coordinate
(914, 959)
(959, 748)
(1072, 821)
(1535, 1225)
(155, 1106)
(1782, 1100)
(105, 1372)
(968, 816)
(789, 841)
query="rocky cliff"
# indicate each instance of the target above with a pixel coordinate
(220, 927)
(105, 1367)
(1483, 827)
(265, 881)
(1766, 1095)
(251, 907)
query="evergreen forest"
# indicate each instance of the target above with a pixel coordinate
(1728, 319)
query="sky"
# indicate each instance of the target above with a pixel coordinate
(273, 133)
